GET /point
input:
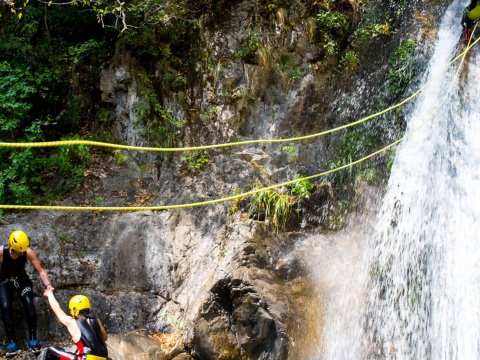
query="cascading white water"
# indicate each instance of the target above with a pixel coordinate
(422, 278)
(425, 255)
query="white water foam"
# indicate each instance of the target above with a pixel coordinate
(423, 257)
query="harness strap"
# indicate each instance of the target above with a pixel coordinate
(13, 280)
(468, 34)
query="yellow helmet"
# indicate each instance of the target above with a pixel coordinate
(77, 304)
(18, 241)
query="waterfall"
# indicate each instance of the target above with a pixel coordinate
(421, 262)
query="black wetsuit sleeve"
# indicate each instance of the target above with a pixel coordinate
(472, 5)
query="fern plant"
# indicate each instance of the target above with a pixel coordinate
(276, 207)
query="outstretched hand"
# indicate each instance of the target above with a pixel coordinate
(47, 291)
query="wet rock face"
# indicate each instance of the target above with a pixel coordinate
(126, 280)
(136, 347)
(223, 281)
(187, 272)
(236, 309)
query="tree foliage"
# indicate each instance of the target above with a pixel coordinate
(51, 54)
(35, 69)
(118, 14)
(26, 173)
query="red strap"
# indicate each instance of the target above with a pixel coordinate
(468, 34)
(80, 347)
(67, 357)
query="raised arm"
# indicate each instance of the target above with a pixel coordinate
(38, 266)
(66, 320)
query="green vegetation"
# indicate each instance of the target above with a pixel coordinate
(295, 74)
(64, 238)
(372, 30)
(286, 64)
(349, 60)
(354, 145)
(80, 253)
(176, 80)
(223, 250)
(209, 113)
(391, 157)
(170, 319)
(39, 103)
(160, 123)
(303, 188)
(291, 151)
(286, 61)
(331, 20)
(80, 52)
(252, 44)
(99, 200)
(52, 56)
(234, 94)
(275, 206)
(195, 160)
(119, 157)
(330, 25)
(402, 67)
(235, 204)
(102, 9)
(370, 175)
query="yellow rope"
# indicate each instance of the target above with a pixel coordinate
(195, 204)
(252, 192)
(237, 143)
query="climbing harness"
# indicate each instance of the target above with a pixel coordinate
(467, 34)
(13, 280)
(467, 26)
(461, 56)
(466, 30)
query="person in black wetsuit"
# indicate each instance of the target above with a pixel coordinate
(14, 280)
(471, 14)
(87, 332)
